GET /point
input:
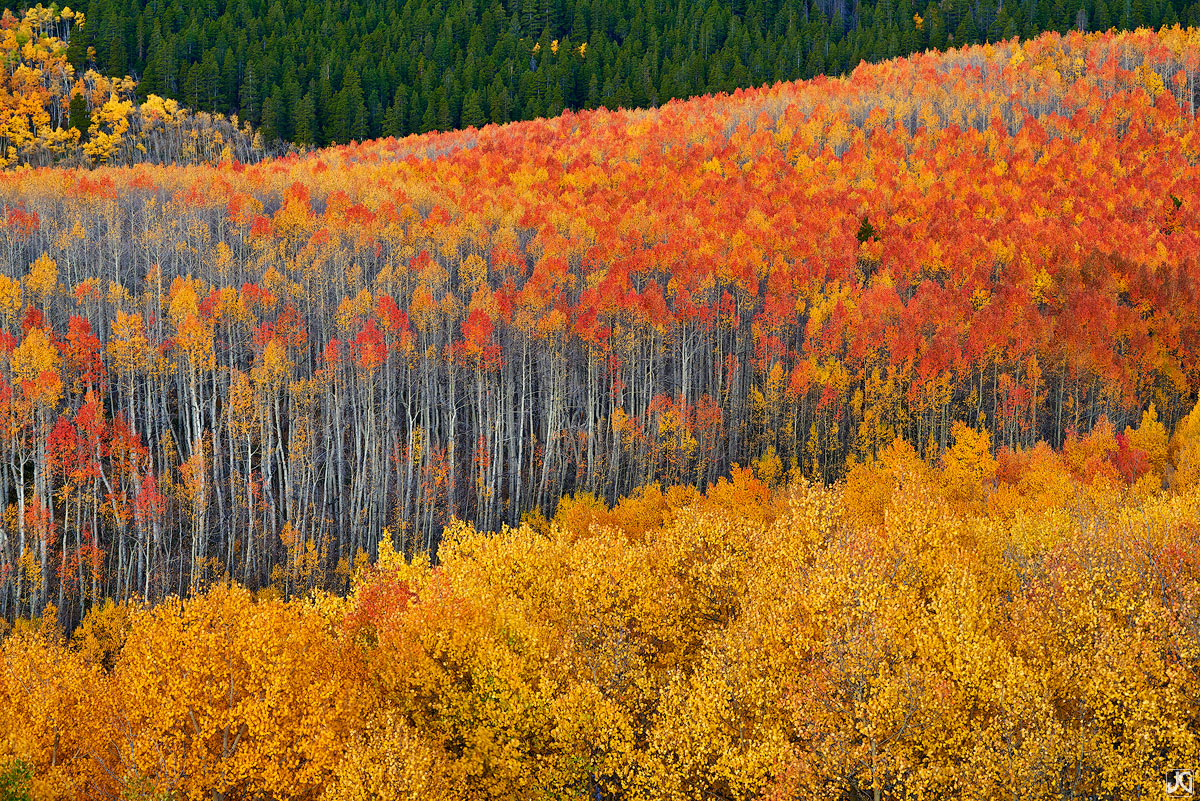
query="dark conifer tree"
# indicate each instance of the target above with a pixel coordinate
(78, 116)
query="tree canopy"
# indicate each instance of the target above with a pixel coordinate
(262, 371)
(323, 72)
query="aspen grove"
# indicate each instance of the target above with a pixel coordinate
(260, 373)
(1021, 627)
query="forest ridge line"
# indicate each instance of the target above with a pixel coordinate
(321, 73)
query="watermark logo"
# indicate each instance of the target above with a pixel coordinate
(1180, 783)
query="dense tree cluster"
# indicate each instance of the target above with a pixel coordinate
(262, 371)
(1027, 627)
(322, 72)
(52, 113)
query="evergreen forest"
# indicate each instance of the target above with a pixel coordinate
(317, 73)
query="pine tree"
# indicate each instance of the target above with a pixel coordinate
(337, 124)
(444, 120)
(78, 116)
(593, 94)
(248, 96)
(267, 127)
(472, 113)
(207, 77)
(395, 121)
(352, 107)
(429, 119)
(153, 79)
(77, 47)
(499, 104)
(116, 61)
(304, 121)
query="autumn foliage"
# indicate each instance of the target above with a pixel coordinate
(258, 373)
(1021, 627)
(53, 113)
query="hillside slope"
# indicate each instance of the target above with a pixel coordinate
(237, 370)
(320, 72)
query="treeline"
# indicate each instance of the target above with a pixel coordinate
(319, 72)
(979, 629)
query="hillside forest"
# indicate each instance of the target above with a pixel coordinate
(52, 113)
(261, 372)
(328, 72)
(1026, 626)
(835, 439)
